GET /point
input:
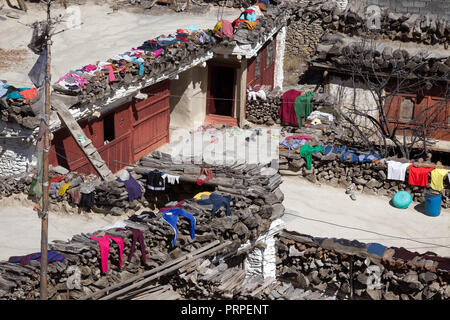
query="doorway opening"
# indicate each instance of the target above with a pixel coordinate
(221, 90)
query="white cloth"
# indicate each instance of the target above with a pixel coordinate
(118, 224)
(257, 10)
(171, 178)
(318, 114)
(397, 170)
(252, 95)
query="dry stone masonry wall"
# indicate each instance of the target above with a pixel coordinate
(347, 269)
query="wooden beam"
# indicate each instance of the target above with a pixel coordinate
(165, 271)
(150, 272)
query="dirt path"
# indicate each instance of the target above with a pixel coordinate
(21, 227)
(325, 211)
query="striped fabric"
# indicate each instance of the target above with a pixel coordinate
(52, 256)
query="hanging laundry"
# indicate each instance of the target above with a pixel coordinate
(306, 152)
(117, 224)
(303, 106)
(172, 205)
(52, 256)
(103, 243)
(376, 248)
(217, 201)
(437, 178)
(155, 181)
(287, 111)
(418, 176)
(63, 189)
(223, 28)
(205, 176)
(171, 178)
(133, 188)
(171, 216)
(75, 195)
(38, 71)
(137, 236)
(22, 93)
(397, 170)
(71, 81)
(319, 114)
(292, 143)
(202, 195)
(141, 217)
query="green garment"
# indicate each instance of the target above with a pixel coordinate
(303, 106)
(306, 151)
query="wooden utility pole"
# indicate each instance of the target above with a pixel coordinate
(45, 186)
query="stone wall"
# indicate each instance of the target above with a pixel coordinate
(369, 178)
(346, 268)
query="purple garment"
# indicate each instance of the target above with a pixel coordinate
(287, 109)
(133, 188)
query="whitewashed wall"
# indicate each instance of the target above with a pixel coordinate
(16, 154)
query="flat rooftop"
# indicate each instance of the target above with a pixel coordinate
(101, 36)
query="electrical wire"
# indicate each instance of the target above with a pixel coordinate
(360, 229)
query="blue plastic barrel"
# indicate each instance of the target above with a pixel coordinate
(433, 203)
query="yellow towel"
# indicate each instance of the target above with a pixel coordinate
(437, 179)
(63, 189)
(198, 196)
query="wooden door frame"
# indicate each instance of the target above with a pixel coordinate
(211, 82)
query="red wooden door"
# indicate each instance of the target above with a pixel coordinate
(151, 119)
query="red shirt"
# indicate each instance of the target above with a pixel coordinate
(418, 176)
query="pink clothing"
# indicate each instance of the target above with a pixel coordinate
(80, 81)
(103, 242)
(287, 109)
(111, 72)
(89, 68)
(299, 137)
(158, 52)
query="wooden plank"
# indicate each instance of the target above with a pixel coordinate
(165, 271)
(144, 274)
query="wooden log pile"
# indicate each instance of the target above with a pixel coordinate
(266, 111)
(203, 279)
(14, 185)
(381, 57)
(263, 111)
(426, 29)
(255, 202)
(334, 267)
(19, 111)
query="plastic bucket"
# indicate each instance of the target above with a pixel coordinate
(433, 203)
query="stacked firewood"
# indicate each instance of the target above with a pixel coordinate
(204, 279)
(263, 111)
(380, 57)
(255, 202)
(345, 266)
(425, 29)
